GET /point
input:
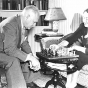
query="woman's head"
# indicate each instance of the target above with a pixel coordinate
(30, 16)
(85, 18)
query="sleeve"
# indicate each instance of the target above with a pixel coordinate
(76, 35)
(25, 47)
(86, 51)
(10, 45)
(73, 37)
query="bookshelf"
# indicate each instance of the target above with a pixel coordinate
(20, 4)
(8, 13)
(12, 7)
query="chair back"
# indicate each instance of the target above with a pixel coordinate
(76, 21)
(47, 41)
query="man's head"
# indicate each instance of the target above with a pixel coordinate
(30, 16)
(85, 18)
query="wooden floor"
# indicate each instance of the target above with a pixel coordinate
(41, 81)
(3, 82)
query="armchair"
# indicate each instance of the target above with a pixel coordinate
(45, 43)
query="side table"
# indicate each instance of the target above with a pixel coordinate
(43, 35)
(57, 79)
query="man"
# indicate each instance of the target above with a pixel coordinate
(14, 47)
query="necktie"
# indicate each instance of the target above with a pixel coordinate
(23, 36)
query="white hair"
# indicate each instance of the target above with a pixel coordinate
(30, 8)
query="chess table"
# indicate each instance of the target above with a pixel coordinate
(57, 79)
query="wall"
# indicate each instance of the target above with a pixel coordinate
(35, 46)
(72, 9)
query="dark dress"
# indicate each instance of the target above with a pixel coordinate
(79, 34)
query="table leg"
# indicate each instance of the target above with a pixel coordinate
(56, 80)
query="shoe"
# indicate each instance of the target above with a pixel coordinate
(80, 86)
(32, 85)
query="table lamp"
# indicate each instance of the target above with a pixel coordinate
(54, 14)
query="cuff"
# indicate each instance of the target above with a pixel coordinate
(29, 57)
(86, 51)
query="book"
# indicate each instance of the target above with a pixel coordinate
(0, 4)
(14, 4)
(40, 2)
(44, 4)
(27, 2)
(5, 4)
(37, 4)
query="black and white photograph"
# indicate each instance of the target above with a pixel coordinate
(43, 43)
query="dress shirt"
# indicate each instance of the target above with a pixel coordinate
(22, 33)
(23, 38)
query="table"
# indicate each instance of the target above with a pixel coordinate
(39, 36)
(57, 79)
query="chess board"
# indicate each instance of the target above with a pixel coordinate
(58, 59)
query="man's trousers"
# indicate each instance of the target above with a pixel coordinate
(17, 75)
(14, 75)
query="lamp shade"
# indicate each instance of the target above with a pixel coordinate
(55, 14)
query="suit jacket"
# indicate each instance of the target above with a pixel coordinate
(10, 44)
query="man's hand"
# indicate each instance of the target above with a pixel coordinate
(34, 62)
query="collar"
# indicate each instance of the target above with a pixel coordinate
(22, 27)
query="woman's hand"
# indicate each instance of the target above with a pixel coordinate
(78, 48)
(62, 44)
(53, 47)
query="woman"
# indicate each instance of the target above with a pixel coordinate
(80, 34)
